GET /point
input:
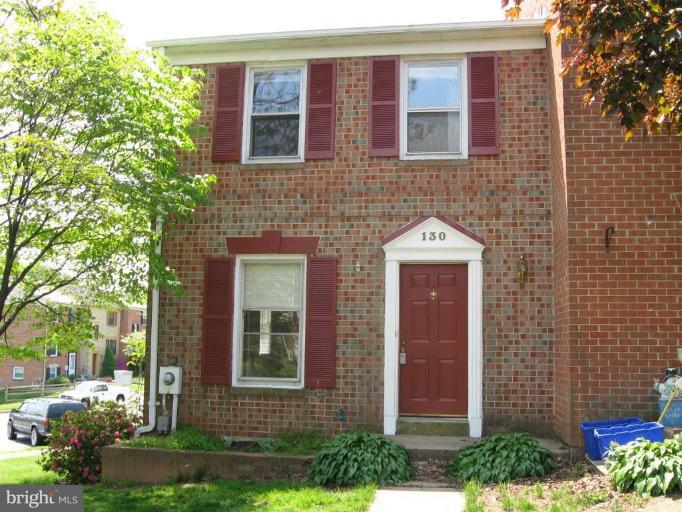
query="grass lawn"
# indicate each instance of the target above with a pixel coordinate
(24, 470)
(232, 495)
(17, 398)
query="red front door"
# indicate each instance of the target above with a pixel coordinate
(433, 337)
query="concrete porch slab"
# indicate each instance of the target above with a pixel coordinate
(446, 447)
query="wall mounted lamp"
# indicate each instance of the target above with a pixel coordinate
(522, 269)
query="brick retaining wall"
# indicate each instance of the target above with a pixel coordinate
(155, 465)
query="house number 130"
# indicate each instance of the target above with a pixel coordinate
(432, 235)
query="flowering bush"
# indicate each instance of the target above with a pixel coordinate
(75, 450)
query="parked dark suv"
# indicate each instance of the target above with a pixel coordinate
(34, 416)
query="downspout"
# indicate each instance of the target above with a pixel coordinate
(154, 343)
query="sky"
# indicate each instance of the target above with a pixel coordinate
(147, 20)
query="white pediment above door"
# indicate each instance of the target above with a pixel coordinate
(433, 238)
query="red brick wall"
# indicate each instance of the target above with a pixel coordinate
(562, 326)
(128, 317)
(352, 202)
(20, 333)
(624, 305)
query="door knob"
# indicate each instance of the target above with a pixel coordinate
(402, 347)
(433, 295)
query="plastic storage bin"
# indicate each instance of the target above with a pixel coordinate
(623, 434)
(673, 418)
(588, 427)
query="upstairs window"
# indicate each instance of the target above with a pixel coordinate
(269, 350)
(274, 123)
(52, 351)
(433, 120)
(112, 318)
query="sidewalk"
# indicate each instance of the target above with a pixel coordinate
(427, 499)
(19, 454)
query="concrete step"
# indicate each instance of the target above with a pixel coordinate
(432, 447)
(421, 448)
(424, 426)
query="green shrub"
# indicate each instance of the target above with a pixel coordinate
(355, 458)
(75, 450)
(108, 364)
(647, 467)
(501, 458)
(184, 438)
(61, 379)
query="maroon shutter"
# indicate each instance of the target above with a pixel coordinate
(321, 118)
(320, 337)
(484, 105)
(228, 113)
(216, 347)
(384, 77)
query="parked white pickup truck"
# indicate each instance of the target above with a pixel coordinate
(97, 391)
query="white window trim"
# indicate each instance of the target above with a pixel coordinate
(50, 369)
(248, 108)
(49, 353)
(14, 373)
(464, 109)
(253, 382)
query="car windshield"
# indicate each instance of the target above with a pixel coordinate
(58, 410)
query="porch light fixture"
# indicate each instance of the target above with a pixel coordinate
(522, 269)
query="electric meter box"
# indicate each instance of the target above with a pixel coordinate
(170, 380)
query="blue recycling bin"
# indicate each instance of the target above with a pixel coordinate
(588, 427)
(624, 434)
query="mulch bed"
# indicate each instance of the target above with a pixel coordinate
(580, 478)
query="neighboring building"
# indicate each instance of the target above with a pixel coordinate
(114, 325)
(27, 372)
(413, 222)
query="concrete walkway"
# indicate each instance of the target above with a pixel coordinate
(409, 499)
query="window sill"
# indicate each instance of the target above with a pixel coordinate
(433, 156)
(274, 160)
(449, 162)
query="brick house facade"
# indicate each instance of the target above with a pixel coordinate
(532, 353)
(28, 372)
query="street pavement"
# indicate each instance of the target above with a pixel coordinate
(20, 446)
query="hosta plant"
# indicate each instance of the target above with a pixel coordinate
(357, 458)
(501, 458)
(649, 468)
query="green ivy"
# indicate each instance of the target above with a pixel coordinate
(647, 467)
(360, 458)
(501, 458)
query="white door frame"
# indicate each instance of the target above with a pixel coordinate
(455, 245)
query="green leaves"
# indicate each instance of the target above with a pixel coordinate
(360, 458)
(501, 458)
(89, 133)
(135, 347)
(627, 55)
(648, 467)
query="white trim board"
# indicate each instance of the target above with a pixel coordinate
(456, 247)
(451, 38)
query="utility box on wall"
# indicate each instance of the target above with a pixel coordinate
(170, 380)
